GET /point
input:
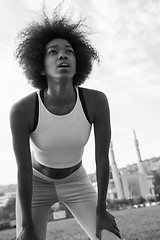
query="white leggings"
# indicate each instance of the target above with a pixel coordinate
(75, 191)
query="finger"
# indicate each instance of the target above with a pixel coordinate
(114, 231)
(115, 225)
(110, 227)
(111, 215)
(116, 228)
(117, 233)
(98, 233)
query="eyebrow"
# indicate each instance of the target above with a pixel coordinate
(55, 46)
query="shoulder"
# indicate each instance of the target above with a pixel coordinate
(23, 110)
(96, 101)
(24, 105)
(94, 97)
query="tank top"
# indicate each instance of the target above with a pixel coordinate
(58, 140)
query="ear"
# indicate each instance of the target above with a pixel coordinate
(43, 73)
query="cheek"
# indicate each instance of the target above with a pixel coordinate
(75, 64)
(49, 64)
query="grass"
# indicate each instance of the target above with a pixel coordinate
(139, 224)
(135, 224)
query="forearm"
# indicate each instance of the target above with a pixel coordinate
(25, 197)
(102, 172)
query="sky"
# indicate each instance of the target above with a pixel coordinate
(127, 36)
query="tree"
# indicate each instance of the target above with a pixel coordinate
(10, 207)
(8, 212)
(156, 183)
(140, 200)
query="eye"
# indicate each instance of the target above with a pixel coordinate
(52, 52)
(70, 51)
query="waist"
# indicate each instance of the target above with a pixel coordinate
(55, 173)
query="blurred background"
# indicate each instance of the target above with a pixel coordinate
(127, 36)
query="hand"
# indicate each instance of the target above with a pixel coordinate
(106, 221)
(27, 234)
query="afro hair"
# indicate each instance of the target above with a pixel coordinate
(30, 51)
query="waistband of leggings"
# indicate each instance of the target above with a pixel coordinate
(77, 175)
(51, 172)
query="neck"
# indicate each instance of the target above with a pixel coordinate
(60, 93)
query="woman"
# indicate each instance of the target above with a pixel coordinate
(50, 128)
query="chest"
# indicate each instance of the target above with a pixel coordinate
(61, 110)
(68, 132)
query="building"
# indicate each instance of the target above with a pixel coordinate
(130, 184)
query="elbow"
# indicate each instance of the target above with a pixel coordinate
(24, 173)
(102, 156)
(102, 160)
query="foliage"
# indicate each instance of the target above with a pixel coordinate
(8, 188)
(151, 199)
(8, 212)
(11, 205)
(124, 203)
(156, 183)
(139, 200)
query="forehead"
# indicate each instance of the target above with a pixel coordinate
(58, 42)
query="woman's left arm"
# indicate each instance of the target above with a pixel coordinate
(102, 132)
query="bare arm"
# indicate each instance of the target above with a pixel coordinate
(20, 128)
(98, 111)
(21, 121)
(102, 133)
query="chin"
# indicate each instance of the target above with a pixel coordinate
(66, 75)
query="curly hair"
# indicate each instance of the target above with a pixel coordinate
(32, 42)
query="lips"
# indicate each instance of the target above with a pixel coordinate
(63, 65)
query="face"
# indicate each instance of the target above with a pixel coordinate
(59, 59)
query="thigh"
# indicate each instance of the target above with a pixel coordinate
(84, 211)
(40, 219)
(43, 197)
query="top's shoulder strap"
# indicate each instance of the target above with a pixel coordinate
(36, 112)
(83, 102)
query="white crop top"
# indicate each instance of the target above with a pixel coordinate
(58, 140)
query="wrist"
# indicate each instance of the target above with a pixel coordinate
(101, 208)
(27, 225)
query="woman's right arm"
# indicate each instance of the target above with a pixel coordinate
(20, 122)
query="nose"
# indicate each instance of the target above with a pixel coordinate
(62, 56)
